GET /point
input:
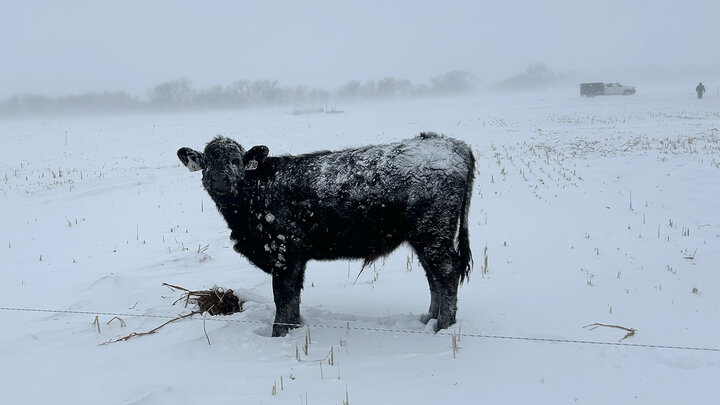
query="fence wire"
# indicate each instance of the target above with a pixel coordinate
(349, 327)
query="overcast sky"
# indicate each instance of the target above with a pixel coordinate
(58, 47)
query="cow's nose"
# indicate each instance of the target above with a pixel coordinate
(221, 181)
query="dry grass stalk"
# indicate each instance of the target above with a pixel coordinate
(306, 346)
(485, 269)
(455, 347)
(630, 331)
(205, 330)
(329, 357)
(150, 332)
(122, 323)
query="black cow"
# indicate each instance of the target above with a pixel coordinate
(355, 203)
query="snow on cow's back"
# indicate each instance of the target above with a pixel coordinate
(380, 168)
(433, 152)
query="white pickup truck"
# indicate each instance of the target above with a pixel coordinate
(607, 89)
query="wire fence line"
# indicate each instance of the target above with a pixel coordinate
(348, 327)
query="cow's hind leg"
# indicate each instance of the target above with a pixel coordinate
(434, 288)
(287, 285)
(440, 262)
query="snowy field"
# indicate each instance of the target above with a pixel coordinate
(584, 211)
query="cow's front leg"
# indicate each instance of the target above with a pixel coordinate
(287, 283)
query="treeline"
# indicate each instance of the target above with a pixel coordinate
(179, 94)
(89, 103)
(535, 76)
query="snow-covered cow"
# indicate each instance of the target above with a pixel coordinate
(355, 203)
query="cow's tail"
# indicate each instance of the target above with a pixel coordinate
(465, 255)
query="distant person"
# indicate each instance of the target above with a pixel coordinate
(700, 89)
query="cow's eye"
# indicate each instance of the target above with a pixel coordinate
(236, 162)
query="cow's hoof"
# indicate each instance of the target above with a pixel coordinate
(426, 318)
(282, 329)
(443, 323)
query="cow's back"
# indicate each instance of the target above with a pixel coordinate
(378, 173)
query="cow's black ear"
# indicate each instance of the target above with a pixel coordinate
(192, 159)
(255, 156)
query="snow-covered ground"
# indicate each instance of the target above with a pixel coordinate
(585, 211)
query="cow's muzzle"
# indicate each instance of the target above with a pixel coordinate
(220, 183)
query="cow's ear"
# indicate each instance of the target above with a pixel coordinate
(255, 157)
(191, 158)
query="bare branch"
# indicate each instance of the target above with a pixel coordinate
(630, 331)
(150, 332)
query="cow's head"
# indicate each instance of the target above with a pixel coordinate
(224, 164)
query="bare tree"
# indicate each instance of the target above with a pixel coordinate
(172, 93)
